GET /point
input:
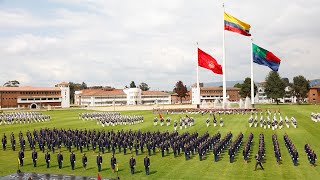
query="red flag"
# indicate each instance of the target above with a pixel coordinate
(208, 62)
(160, 116)
(99, 178)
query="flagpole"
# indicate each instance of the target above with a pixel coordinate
(224, 65)
(198, 87)
(252, 85)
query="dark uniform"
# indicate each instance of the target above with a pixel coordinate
(34, 158)
(60, 160)
(258, 159)
(132, 164)
(113, 163)
(72, 160)
(47, 159)
(146, 164)
(99, 162)
(84, 161)
(21, 157)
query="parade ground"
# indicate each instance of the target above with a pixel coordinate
(168, 167)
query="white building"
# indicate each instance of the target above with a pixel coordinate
(112, 96)
(261, 96)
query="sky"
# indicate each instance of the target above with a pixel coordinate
(114, 42)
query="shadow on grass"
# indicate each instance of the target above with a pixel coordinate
(137, 172)
(152, 172)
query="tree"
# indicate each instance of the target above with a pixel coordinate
(275, 87)
(238, 85)
(181, 90)
(132, 84)
(300, 87)
(13, 83)
(83, 86)
(144, 86)
(245, 88)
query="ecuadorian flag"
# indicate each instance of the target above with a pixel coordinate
(235, 25)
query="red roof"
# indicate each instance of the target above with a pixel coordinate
(315, 87)
(101, 92)
(219, 88)
(29, 88)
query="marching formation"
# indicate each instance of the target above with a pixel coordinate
(312, 157)
(23, 117)
(111, 118)
(261, 152)
(315, 117)
(274, 123)
(292, 149)
(276, 148)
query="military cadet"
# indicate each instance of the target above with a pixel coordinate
(21, 157)
(13, 144)
(47, 158)
(175, 124)
(34, 157)
(4, 142)
(132, 163)
(136, 147)
(221, 122)
(208, 121)
(72, 160)
(60, 159)
(84, 161)
(146, 164)
(113, 163)
(258, 161)
(214, 121)
(99, 162)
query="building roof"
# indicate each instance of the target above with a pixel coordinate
(29, 88)
(64, 83)
(315, 87)
(219, 88)
(154, 93)
(101, 92)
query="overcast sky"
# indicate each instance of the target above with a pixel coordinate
(112, 42)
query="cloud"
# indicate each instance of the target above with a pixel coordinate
(114, 42)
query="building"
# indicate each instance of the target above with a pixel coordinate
(314, 95)
(176, 100)
(212, 93)
(112, 96)
(261, 96)
(35, 97)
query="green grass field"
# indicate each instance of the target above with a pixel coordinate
(169, 167)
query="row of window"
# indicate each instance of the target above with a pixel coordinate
(8, 98)
(31, 92)
(38, 99)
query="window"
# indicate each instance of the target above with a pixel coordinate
(313, 94)
(23, 99)
(37, 99)
(43, 99)
(314, 99)
(49, 98)
(56, 98)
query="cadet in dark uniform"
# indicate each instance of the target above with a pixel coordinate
(4, 142)
(47, 158)
(146, 164)
(60, 159)
(34, 157)
(132, 163)
(84, 161)
(21, 157)
(258, 159)
(113, 163)
(72, 160)
(99, 162)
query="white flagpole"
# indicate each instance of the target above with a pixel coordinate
(252, 85)
(198, 88)
(224, 66)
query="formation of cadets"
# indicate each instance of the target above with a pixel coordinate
(183, 122)
(315, 117)
(214, 121)
(312, 157)
(134, 142)
(203, 111)
(221, 146)
(111, 118)
(247, 148)
(292, 149)
(235, 145)
(261, 152)
(23, 117)
(276, 148)
(267, 122)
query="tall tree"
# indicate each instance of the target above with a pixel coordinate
(144, 86)
(245, 88)
(300, 87)
(181, 90)
(13, 83)
(275, 87)
(238, 85)
(132, 84)
(83, 86)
